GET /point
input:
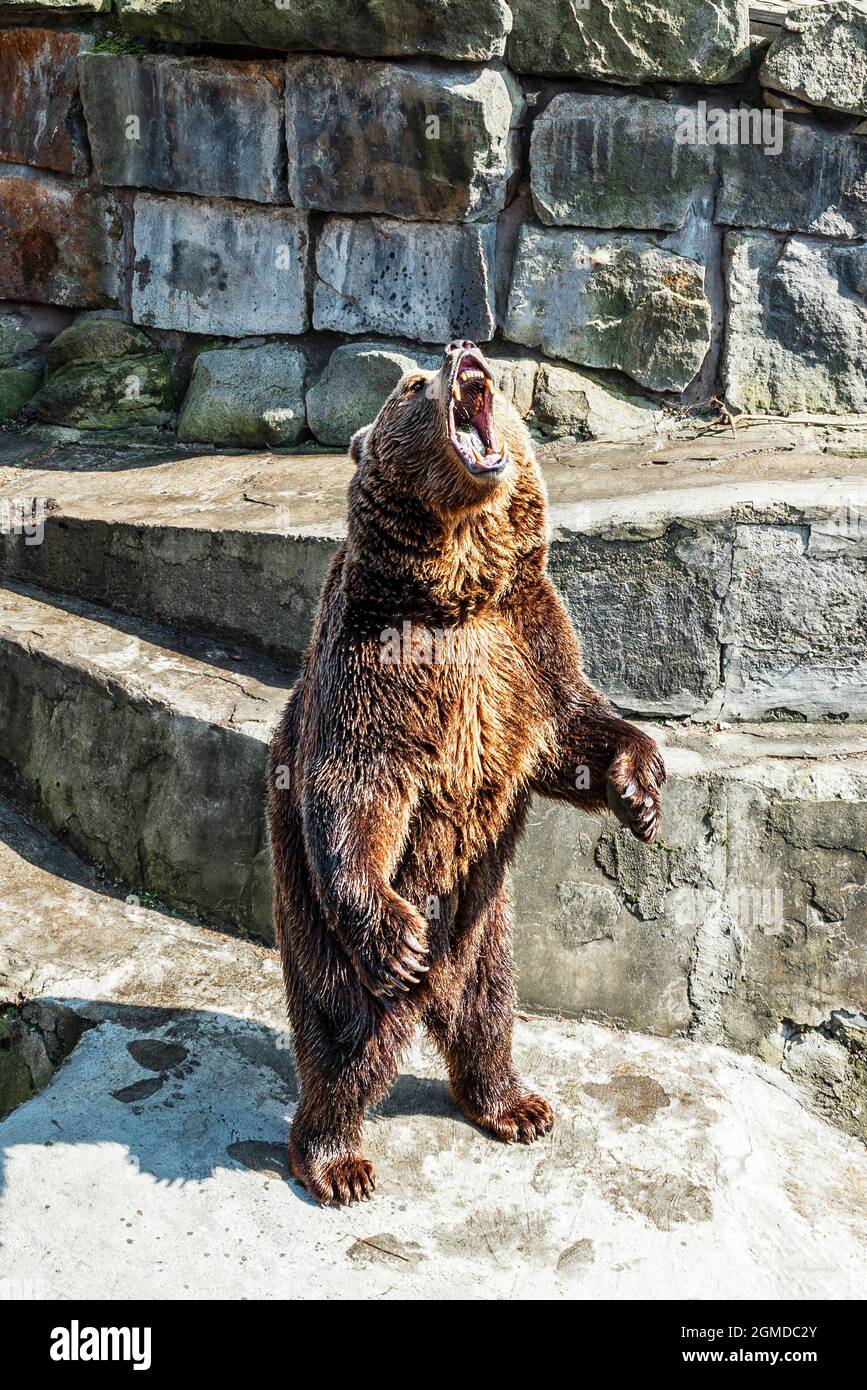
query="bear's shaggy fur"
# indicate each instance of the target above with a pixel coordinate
(441, 688)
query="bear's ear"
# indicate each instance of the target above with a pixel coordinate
(358, 443)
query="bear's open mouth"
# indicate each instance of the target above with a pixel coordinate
(471, 417)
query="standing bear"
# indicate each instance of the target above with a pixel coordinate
(442, 687)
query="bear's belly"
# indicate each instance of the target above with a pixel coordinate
(492, 731)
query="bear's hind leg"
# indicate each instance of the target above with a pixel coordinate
(342, 1071)
(474, 1031)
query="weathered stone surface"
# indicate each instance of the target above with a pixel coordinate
(356, 381)
(796, 331)
(96, 337)
(19, 382)
(35, 1037)
(224, 268)
(794, 619)
(567, 402)
(104, 374)
(834, 1074)
(187, 125)
(514, 376)
(15, 338)
(630, 40)
(609, 161)
(821, 55)
(647, 605)
(121, 393)
(419, 141)
(720, 579)
(623, 302)
(40, 118)
(420, 280)
(797, 849)
(473, 30)
(172, 802)
(15, 8)
(750, 912)
(58, 244)
(247, 396)
(816, 183)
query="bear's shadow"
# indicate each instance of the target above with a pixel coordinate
(184, 1093)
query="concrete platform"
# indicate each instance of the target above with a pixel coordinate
(712, 576)
(152, 1165)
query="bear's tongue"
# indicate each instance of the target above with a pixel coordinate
(471, 410)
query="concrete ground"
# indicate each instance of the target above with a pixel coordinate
(152, 1164)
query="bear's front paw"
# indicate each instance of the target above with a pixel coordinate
(635, 780)
(396, 958)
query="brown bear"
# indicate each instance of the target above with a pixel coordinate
(442, 687)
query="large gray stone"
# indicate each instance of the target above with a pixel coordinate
(59, 244)
(104, 374)
(624, 302)
(172, 800)
(817, 182)
(227, 268)
(419, 280)
(470, 30)
(186, 125)
(96, 337)
(19, 382)
(354, 385)
(40, 117)
(568, 403)
(121, 394)
(820, 55)
(616, 161)
(433, 143)
(749, 914)
(16, 338)
(717, 578)
(247, 396)
(796, 331)
(631, 41)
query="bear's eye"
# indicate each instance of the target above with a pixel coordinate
(414, 386)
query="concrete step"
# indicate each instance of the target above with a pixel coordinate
(145, 749)
(672, 1164)
(146, 752)
(710, 577)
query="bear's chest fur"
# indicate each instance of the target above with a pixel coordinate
(486, 731)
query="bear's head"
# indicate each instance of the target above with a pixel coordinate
(447, 437)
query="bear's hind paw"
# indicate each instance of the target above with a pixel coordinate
(520, 1122)
(335, 1182)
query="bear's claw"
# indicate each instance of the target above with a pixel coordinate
(635, 780)
(521, 1122)
(400, 966)
(335, 1182)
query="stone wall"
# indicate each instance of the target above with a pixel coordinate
(259, 215)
